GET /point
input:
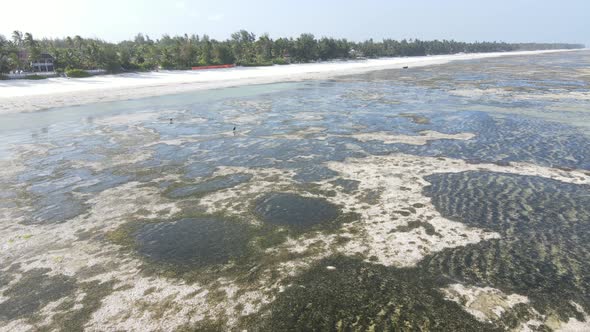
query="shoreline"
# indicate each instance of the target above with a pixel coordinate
(18, 96)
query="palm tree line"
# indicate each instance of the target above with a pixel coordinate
(242, 48)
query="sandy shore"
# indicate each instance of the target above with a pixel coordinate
(25, 95)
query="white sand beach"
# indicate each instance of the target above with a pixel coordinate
(28, 95)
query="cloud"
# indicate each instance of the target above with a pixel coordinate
(216, 17)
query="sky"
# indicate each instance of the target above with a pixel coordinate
(464, 20)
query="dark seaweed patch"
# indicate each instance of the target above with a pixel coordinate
(5, 279)
(51, 197)
(71, 319)
(104, 181)
(428, 228)
(372, 196)
(207, 186)
(347, 186)
(545, 243)
(296, 211)
(357, 296)
(56, 208)
(312, 173)
(504, 140)
(192, 243)
(33, 291)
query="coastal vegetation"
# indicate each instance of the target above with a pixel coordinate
(35, 77)
(77, 73)
(242, 48)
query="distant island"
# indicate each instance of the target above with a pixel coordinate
(77, 56)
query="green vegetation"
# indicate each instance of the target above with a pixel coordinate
(202, 188)
(74, 318)
(242, 48)
(544, 246)
(32, 292)
(35, 77)
(295, 211)
(77, 73)
(357, 296)
(428, 228)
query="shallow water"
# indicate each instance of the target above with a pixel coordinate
(191, 242)
(163, 190)
(294, 210)
(545, 243)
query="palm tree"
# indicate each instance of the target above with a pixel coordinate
(92, 54)
(17, 37)
(29, 41)
(4, 60)
(264, 47)
(78, 41)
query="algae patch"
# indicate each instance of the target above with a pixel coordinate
(341, 294)
(192, 242)
(295, 211)
(214, 184)
(33, 291)
(544, 245)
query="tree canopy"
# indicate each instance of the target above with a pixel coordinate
(242, 48)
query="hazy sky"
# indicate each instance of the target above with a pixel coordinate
(466, 20)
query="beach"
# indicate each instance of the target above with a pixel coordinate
(18, 96)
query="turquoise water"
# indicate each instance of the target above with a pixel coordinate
(533, 110)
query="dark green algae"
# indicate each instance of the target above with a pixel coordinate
(541, 254)
(192, 242)
(544, 246)
(294, 210)
(198, 246)
(37, 288)
(207, 186)
(33, 291)
(356, 296)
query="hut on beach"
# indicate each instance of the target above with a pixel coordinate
(43, 63)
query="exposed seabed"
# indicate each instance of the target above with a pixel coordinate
(348, 204)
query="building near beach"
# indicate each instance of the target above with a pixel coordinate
(45, 63)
